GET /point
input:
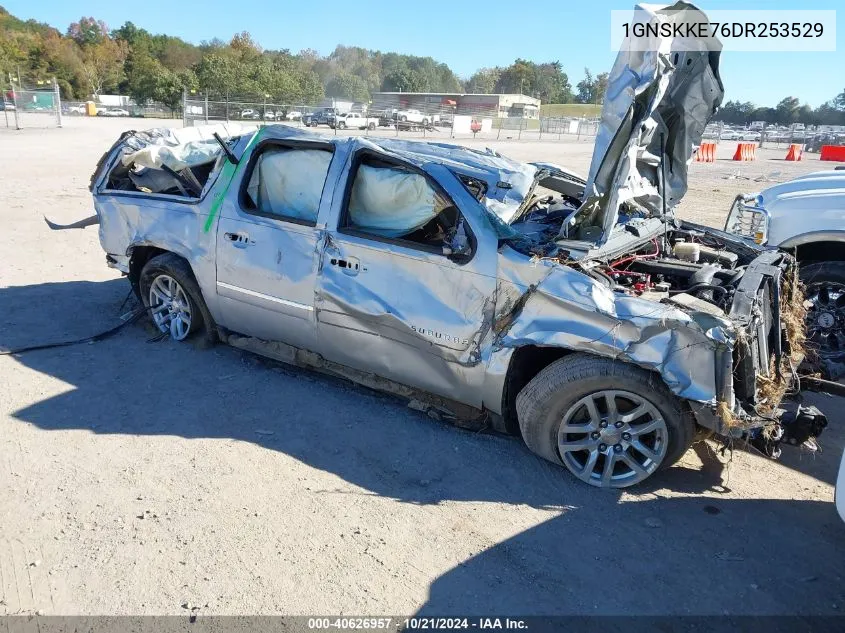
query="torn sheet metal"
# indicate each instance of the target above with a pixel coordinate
(175, 157)
(661, 96)
(558, 306)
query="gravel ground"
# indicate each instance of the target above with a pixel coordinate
(157, 478)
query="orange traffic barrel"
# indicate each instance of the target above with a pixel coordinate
(833, 152)
(706, 153)
(795, 151)
(745, 151)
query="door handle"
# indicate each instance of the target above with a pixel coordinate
(350, 265)
(241, 240)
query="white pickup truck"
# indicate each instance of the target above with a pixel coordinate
(353, 120)
(806, 216)
(412, 116)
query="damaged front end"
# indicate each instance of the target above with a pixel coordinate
(720, 321)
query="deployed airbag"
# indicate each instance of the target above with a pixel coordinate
(290, 182)
(392, 202)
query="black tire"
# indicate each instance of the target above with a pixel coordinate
(341, 126)
(543, 402)
(403, 118)
(371, 126)
(830, 352)
(202, 325)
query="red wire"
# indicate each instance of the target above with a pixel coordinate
(632, 258)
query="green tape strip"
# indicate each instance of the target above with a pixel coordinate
(228, 175)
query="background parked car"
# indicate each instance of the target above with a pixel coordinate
(112, 112)
(354, 120)
(806, 216)
(320, 117)
(412, 116)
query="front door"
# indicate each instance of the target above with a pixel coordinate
(392, 299)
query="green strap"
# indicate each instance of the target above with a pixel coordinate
(228, 175)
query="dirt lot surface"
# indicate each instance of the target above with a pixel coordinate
(159, 478)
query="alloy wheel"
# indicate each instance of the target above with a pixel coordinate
(170, 308)
(612, 438)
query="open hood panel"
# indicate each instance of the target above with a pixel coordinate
(657, 104)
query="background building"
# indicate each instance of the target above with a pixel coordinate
(482, 105)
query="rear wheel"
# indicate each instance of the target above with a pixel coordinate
(610, 424)
(825, 290)
(371, 126)
(173, 298)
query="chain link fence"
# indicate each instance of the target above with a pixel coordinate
(380, 119)
(773, 136)
(32, 108)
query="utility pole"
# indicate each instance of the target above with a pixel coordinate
(57, 102)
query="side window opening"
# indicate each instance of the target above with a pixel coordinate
(392, 202)
(287, 183)
(176, 170)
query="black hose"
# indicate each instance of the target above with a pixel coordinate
(698, 287)
(88, 339)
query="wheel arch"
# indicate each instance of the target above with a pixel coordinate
(817, 246)
(142, 252)
(525, 363)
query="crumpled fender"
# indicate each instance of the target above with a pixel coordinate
(563, 307)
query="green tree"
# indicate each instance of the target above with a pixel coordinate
(787, 110)
(88, 31)
(348, 86)
(143, 77)
(483, 81)
(102, 65)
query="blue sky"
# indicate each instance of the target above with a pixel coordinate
(464, 35)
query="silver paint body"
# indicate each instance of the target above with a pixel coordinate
(414, 317)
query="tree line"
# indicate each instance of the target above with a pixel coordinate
(91, 59)
(788, 111)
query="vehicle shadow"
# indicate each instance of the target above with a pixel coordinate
(745, 556)
(678, 556)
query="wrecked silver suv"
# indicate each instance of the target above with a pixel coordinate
(576, 313)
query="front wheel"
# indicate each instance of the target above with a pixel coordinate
(173, 298)
(610, 424)
(825, 290)
(341, 126)
(371, 126)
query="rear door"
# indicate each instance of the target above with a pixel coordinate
(267, 242)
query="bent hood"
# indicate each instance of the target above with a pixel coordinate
(661, 93)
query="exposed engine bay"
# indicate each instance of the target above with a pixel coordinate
(682, 262)
(687, 266)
